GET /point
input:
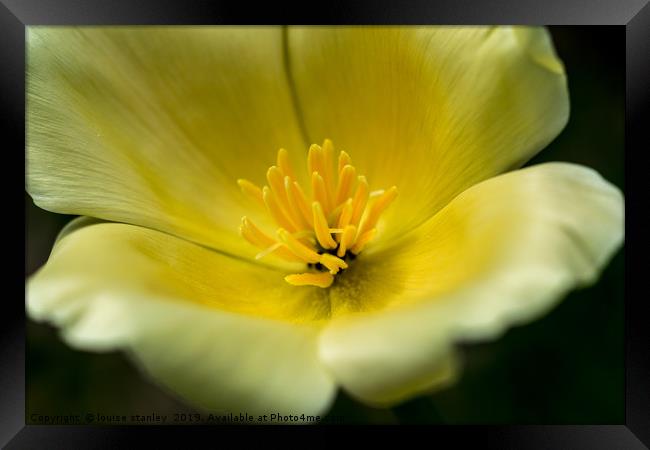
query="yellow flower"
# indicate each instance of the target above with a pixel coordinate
(149, 129)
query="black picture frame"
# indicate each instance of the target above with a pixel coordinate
(633, 15)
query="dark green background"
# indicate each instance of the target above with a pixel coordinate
(567, 367)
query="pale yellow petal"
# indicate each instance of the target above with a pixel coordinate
(500, 254)
(222, 333)
(154, 125)
(432, 110)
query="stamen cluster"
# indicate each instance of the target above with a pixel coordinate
(325, 229)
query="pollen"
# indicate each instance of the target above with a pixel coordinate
(325, 226)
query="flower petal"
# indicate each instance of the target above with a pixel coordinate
(154, 125)
(502, 253)
(432, 110)
(184, 312)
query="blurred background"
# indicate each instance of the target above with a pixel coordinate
(566, 368)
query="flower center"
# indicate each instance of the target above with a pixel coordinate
(324, 230)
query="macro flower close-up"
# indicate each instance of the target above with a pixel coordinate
(272, 215)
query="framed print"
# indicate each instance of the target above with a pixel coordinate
(401, 217)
